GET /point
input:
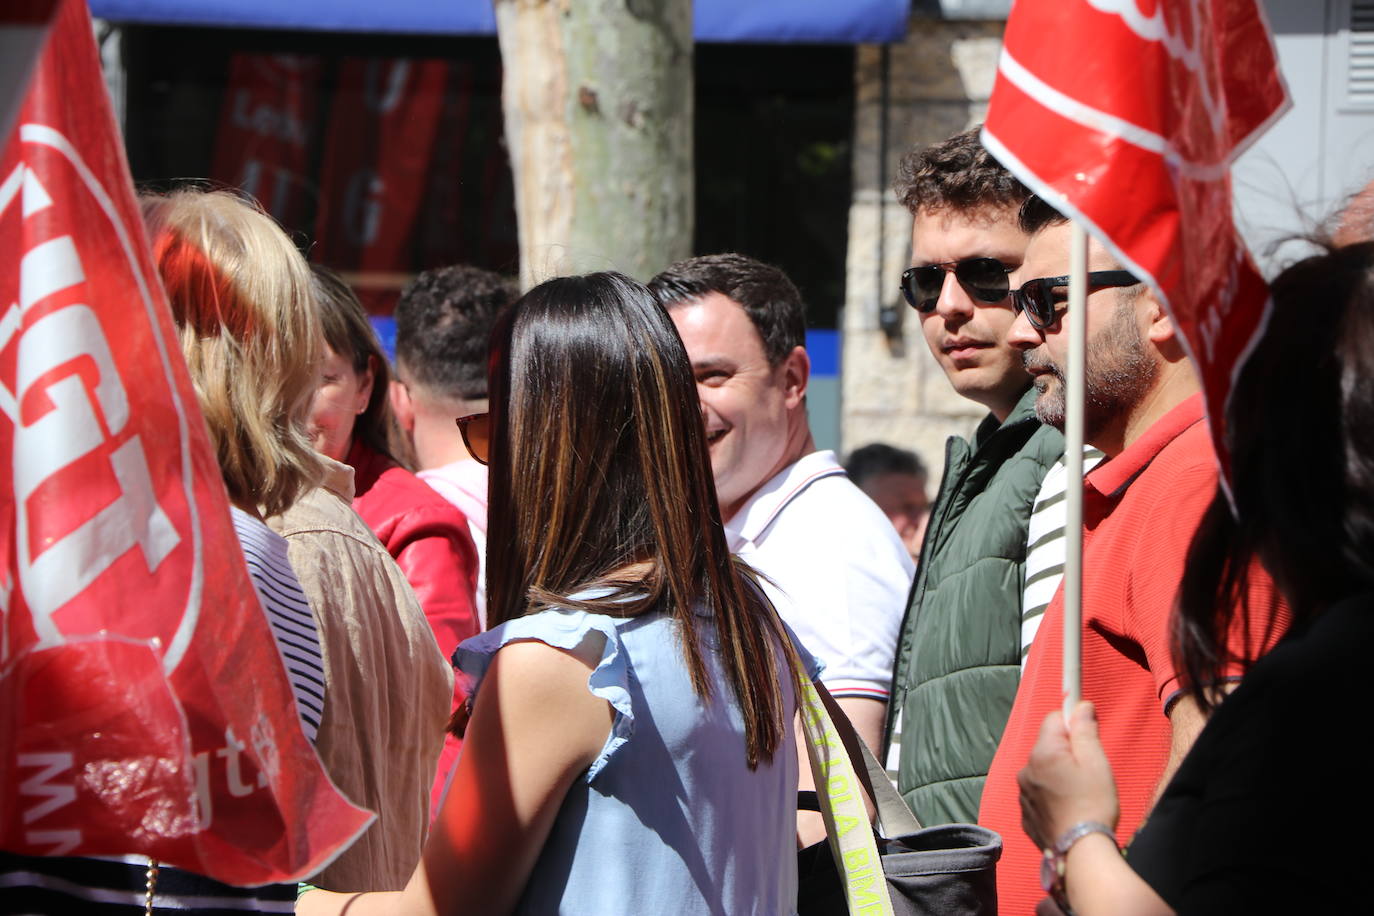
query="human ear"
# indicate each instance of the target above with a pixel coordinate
(796, 368)
(1159, 326)
(401, 405)
(365, 382)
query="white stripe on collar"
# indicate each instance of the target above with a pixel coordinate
(763, 508)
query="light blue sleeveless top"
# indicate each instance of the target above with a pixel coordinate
(669, 818)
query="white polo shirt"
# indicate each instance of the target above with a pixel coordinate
(840, 574)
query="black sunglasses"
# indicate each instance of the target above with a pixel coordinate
(1040, 301)
(476, 431)
(985, 279)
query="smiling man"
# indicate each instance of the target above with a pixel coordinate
(839, 573)
(958, 656)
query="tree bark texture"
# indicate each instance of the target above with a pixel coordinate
(597, 98)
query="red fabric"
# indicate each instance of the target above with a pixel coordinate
(144, 705)
(1140, 510)
(262, 144)
(1129, 118)
(430, 541)
(377, 160)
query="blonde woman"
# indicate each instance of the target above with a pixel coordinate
(253, 341)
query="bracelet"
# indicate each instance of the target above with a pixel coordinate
(1056, 856)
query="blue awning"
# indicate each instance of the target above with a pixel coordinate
(771, 21)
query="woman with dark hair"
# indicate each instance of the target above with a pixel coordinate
(1246, 825)
(631, 747)
(350, 422)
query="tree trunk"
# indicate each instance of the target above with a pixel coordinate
(597, 99)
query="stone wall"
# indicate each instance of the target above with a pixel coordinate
(939, 81)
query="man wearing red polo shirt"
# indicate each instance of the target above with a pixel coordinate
(1141, 506)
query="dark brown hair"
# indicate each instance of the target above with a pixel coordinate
(1036, 214)
(768, 297)
(1300, 426)
(956, 174)
(443, 324)
(592, 390)
(350, 335)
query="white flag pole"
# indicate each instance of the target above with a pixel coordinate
(1076, 324)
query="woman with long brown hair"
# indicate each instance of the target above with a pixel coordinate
(630, 745)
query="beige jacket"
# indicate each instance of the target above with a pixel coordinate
(388, 687)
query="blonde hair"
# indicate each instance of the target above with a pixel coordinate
(241, 297)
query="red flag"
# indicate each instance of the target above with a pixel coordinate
(1127, 114)
(144, 706)
(262, 145)
(377, 162)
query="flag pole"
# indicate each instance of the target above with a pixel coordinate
(1077, 327)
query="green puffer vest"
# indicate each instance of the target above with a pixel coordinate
(959, 653)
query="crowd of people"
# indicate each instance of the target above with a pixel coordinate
(547, 587)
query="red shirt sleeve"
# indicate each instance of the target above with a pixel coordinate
(435, 552)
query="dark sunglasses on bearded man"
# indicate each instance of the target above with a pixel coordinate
(1042, 299)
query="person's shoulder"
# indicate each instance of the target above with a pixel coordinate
(1332, 646)
(1016, 480)
(549, 668)
(1185, 468)
(323, 515)
(1043, 446)
(399, 494)
(833, 510)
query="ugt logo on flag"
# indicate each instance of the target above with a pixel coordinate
(144, 707)
(1127, 115)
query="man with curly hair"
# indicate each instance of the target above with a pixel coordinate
(443, 320)
(958, 653)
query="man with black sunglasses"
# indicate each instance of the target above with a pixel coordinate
(958, 658)
(1141, 507)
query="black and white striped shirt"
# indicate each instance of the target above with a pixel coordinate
(1045, 547)
(288, 613)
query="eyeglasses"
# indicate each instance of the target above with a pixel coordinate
(476, 431)
(985, 279)
(1040, 301)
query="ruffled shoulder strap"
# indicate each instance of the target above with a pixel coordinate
(562, 629)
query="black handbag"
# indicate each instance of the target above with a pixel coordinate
(950, 870)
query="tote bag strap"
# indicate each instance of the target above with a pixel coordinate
(895, 817)
(840, 794)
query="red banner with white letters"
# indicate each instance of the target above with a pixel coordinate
(377, 163)
(262, 145)
(144, 706)
(1127, 115)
